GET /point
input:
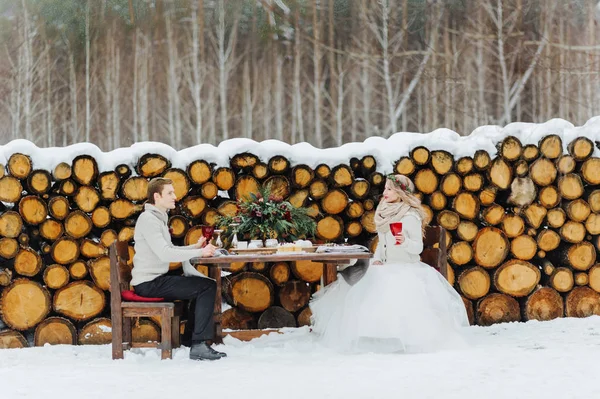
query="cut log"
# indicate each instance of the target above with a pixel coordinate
(376, 179)
(451, 184)
(570, 186)
(279, 273)
(209, 217)
(522, 192)
(368, 164)
(278, 165)
(5, 277)
(330, 228)
(594, 201)
(237, 319)
(521, 168)
(420, 155)
(497, 308)
(78, 224)
(279, 186)
(573, 232)
(101, 217)
(543, 172)
(99, 269)
(334, 202)
(467, 230)
(9, 248)
(67, 187)
(10, 189)
(449, 220)
(530, 152)
(28, 262)
(438, 201)
(487, 196)
(92, 249)
(23, 239)
(65, 250)
(250, 291)
(24, 304)
(474, 283)
(535, 215)
(441, 161)
(581, 279)
(517, 278)
(482, 160)
(523, 247)
(592, 224)
(551, 146)
(181, 182)
(368, 222)
(123, 170)
(19, 165)
(303, 175)
(56, 276)
(58, 207)
(565, 164)
(355, 210)
(594, 278)
(464, 165)
(96, 332)
(294, 295)
(86, 198)
(33, 210)
(209, 190)
(79, 300)
(590, 171)
(244, 162)
(547, 267)
(493, 214)
(258, 266)
(193, 206)
(152, 165)
(578, 210)
(307, 270)
(556, 218)
(178, 226)
(582, 302)
(276, 317)
(62, 171)
(562, 279)
(108, 184)
(548, 240)
(341, 176)
(353, 228)
(579, 256)
(224, 178)
(510, 148)
(581, 148)
(245, 186)
(145, 331)
(39, 182)
(513, 225)
(405, 166)
(84, 169)
(199, 171)
(473, 182)
(135, 188)
(460, 253)
(323, 171)
(11, 224)
(490, 247)
(466, 205)
(318, 189)
(78, 270)
(108, 237)
(544, 304)
(12, 340)
(360, 189)
(500, 174)
(55, 331)
(304, 317)
(426, 181)
(123, 209)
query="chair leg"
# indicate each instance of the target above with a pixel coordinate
(127, 336)
(117, 335)
(176, 339)
(166, 335)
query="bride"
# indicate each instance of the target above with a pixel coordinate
(400, 304)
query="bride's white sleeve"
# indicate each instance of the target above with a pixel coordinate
(377, 255)
(413, 239)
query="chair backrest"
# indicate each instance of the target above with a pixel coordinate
(434, 249)
(120, 274)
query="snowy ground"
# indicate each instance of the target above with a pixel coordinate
(557, 359)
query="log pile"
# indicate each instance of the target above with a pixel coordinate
(523, 230)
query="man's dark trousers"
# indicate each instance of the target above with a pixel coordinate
(200, 290)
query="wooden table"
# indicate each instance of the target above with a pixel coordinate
(216, 264)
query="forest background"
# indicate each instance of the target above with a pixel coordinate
(184, 72)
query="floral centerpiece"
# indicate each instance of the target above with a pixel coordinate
(265, 215)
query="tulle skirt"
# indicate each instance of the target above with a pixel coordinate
(395, 307)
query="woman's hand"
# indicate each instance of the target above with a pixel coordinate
(399, 238)
(377, 262)
(208, 251)
(201, 242)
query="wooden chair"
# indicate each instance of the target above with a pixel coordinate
(121, 313)
(434, 249)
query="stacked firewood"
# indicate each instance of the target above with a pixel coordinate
(522, 233)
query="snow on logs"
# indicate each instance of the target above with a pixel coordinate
(523, 228)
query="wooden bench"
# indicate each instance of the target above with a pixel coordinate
(122, 313)
(434, 249)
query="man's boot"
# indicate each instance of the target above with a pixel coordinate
(201, 351)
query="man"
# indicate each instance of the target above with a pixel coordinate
(153, 253)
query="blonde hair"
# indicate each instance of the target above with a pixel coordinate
(405, 189)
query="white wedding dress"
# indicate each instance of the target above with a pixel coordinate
(403, 305)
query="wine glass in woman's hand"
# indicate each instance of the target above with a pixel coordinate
(396, 229)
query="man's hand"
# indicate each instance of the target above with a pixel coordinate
(201, 242)
(208, 251)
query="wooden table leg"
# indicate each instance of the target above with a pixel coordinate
(215, 273)
(329, 273)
